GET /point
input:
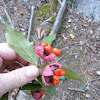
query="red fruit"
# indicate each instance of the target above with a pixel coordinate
(58, 72)
(45, 43)
(55, 82)
(55, 77)
(56, 51)
(62, 73)
(48, 57)
(50, 47)
(47, 48)
(42, 92)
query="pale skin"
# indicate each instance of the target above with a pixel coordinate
(16, 76)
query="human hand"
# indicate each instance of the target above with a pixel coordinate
(14, 78)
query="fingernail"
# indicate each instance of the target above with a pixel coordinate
(32, 72)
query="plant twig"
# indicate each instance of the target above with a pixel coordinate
(60, 58)
(46, 20)
(95, 88)
(4, 4)
(59, 18)
(60, 2)
(5, 9)
(90, 82)
(77, 90)
(31, 22)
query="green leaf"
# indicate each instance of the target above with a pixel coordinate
(35, 82)
(31, 86)
(50, 88)
(49, 39)
(20, 44)
(4, 97)
(71, 74)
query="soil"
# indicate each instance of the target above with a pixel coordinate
(81, 54)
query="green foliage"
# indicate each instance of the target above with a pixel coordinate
(20, 44)
(31, 86)
(50, 88)
(49, 39)
(4, 97)
(53, 6)
(43, 10)
(47, 9)
(71, 74)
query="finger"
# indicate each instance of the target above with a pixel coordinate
(40, 68)
(1, 63)
(6, 52)
(17, 78)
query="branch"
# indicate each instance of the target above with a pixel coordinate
(31, 22)
(60, 2)
(59, 18)
(5, 9)
(74, 89)
(46, 20)
(90, 82)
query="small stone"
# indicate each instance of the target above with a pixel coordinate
(91, 31)
(87, 95)
(22, 29)
(15, 8)
(69, 21)
(81, 48)
(98, 73)
(76, 56)
(21, 13)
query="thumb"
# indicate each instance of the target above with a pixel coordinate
(17, 78)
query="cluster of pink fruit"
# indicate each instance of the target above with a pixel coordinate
(52, 71)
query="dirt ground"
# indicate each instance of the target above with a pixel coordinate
(81, 54)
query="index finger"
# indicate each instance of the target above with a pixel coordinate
(6, 52)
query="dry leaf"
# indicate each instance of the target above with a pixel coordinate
(39, 18)
(14, 93)
(91, 47)
(82, 42)
(91, 72)
(13, 2)
(72, 36)
(40, 32)
(65, 38)
(85, 51)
